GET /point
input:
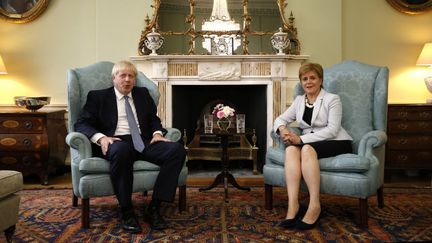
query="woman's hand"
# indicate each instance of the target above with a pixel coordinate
(289, 137)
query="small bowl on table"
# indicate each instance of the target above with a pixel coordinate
(32, 103)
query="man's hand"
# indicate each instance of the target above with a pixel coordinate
(158, 137)
(105, 142)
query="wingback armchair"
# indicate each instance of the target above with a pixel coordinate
(90, 175)
(363, 92)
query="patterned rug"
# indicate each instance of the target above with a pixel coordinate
(46, 215)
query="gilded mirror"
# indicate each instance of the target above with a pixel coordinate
(182, 24)
(411, 6)
(21, 11)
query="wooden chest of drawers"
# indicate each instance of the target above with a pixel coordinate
(409, 130)
(32, 142)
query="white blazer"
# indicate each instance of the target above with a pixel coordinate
(325, 122)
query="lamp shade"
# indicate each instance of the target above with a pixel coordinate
(2, 67)
(425, 58)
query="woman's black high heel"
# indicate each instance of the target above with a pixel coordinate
(290, 223)
(305, 226)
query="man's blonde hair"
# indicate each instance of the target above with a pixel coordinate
(124, 65)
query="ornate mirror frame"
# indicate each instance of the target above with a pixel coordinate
(411, 7)
(25, 17)
(193, 33)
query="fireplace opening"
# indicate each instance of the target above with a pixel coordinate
(189, 100)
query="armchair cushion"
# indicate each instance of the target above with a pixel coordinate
(95, 165)
(341, 163)
(345, 163)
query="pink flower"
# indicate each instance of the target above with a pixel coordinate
(220, 114)
(222, 111)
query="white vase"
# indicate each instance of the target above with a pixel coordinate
(280, 41)
(153, 41)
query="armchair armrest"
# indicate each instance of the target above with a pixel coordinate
(80, 142)
(371, 140)
(173, 134)
(277, 139)
(278, 142)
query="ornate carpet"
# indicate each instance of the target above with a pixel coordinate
(46, 215)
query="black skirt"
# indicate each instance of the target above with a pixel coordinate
(330, 148)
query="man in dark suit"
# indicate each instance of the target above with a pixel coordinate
(109, 122)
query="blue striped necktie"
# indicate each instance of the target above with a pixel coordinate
(134, 131)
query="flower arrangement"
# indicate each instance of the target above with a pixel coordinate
(223, 111)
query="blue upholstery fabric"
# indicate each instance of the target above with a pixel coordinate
(363, 92)
(90, 175)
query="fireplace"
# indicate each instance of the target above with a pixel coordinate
(260, 85)
(189, 100)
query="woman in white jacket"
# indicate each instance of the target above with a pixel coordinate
(318, 114)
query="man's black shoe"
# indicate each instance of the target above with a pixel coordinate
(152, 216)
(129, 222)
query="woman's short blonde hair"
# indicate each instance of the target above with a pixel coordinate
(310, 66)
(124, 65)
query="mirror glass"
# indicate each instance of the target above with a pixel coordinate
(219, 27)
(172, 16)
(265, 22)
(21, 11)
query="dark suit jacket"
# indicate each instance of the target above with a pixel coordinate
(99, 114)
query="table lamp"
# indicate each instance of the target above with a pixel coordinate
(2, 67)
(425, 59)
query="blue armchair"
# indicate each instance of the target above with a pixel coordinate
(90, 175)
(363, 92)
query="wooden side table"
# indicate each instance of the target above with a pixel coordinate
(33, 142)
(409, 130)
(224, 176)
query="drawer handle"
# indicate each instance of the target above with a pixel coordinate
(403, 157)
(403, 114)
(425, 114)
(28, 125)
(403, 126)
(27, 160)
(403, 141)
(27, 142)
(423, 125)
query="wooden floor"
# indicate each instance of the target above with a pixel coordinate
(398, 180)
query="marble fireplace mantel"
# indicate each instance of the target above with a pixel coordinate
(279, 73)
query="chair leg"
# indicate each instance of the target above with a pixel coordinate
(74, 200)
(9, 232)
(85, 213)
(363, 217)
(380, 197)
(182, 198)
(268, 194)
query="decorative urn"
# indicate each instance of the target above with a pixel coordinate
(280, 41)
(153, 41)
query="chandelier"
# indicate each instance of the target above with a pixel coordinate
(220, 21)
